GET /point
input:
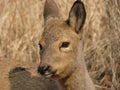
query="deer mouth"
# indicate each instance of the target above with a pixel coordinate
(46, 71)
(49, 74)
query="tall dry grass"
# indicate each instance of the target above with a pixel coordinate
(102, 41)
(21, 26)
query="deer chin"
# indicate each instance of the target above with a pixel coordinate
(59, 75)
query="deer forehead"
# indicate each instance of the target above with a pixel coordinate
(58, 32)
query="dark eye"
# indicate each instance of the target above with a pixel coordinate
(65, 45)
(40, 46)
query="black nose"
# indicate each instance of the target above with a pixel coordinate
(43, 69)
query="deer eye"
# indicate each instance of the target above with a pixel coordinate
(65, 45)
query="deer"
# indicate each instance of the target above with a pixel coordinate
(61, 48)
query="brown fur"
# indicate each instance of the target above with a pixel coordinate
(66, 65)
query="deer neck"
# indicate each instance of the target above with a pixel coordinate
(76, 81)
(79, 79)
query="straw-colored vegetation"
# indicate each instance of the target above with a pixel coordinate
(21, 26)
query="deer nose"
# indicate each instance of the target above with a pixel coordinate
(43, 69)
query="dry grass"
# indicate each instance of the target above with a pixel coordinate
(21, 26)
(102, 42)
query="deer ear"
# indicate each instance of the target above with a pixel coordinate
(50, 9)
(77, 16)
